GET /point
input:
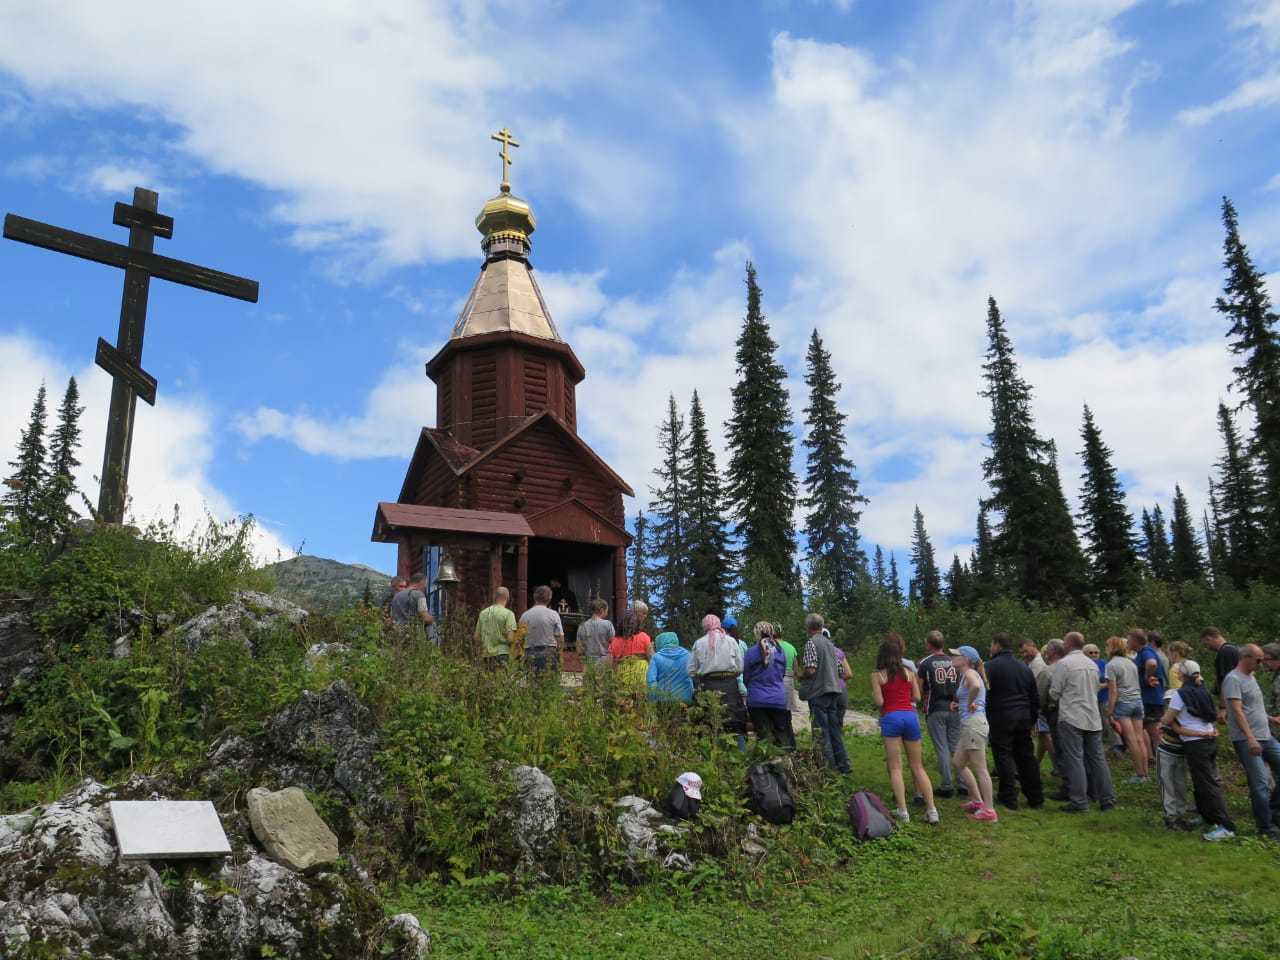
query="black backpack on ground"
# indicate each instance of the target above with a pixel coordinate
(681, 806)
(769, 793)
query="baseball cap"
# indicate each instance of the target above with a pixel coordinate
(967, 651)
(1188, 668)
(691, 784)
(729, 621)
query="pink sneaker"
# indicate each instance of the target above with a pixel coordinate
(973, 806)
(988, 815)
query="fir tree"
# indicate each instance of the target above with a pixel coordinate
(710, 576)
(984, 585)
(1239, 494)
(879, 575)
(1155, 544)
(1215, 538)
(895, 586)
(670, 509)
(639, 560)
(1186, 562)
(1256, 342)
(926, 584)
(761, 484)
(63, 446)
(832, 498)
(1108, 528)
(1035, 540)
(958, 583)
(23, 501)
(366, 598)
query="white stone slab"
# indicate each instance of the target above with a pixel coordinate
(168, 829)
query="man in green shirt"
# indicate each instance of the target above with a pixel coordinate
(495, 628)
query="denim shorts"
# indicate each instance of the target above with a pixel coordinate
(901, 723)
(1129, 710)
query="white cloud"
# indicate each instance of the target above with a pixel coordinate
(1260, 42)
(402, 402)
(172, 442)
(370, 121)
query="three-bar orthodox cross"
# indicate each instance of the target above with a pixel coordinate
(505, 138)
(124, 360)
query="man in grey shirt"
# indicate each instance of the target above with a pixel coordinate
(543, 633)
(1074, 689)
(595, 635)
(410, 605)
(1251, 736)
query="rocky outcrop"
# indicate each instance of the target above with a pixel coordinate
(22, 651)
(646, 833)
(326, 743)
(290, 830)
(247, 616)
(404, 936)
(318, 653)
(63, 887)
(537, 814)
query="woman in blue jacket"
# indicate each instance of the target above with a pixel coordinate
(668, 677)
(763, 670)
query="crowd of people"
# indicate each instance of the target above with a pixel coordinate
(1063, 701)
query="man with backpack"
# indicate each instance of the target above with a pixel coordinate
(819, 683)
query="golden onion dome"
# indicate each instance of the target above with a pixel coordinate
(506, 216)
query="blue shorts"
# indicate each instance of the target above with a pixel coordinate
(901, 723)
(1129, 710)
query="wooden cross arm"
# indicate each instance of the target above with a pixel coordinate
(120, 366)
(118, 255)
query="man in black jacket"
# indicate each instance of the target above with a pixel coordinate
(1013, 704)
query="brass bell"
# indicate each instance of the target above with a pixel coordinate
(447, 574)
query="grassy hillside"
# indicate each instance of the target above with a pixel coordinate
(323, 585)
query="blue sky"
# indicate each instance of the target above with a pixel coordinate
(886, 165)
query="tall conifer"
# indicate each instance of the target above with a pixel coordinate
(984, 585)
(1256, 342)
(926, 584)
(670, 524)
(958, 583)
(1155, 544)
(1239, 496)
(1107, 526)
(879, 574)
(1215, 539)
(832, 499)
(895, 585)
(27, 485)
(710, 576)
(1186, 562)
(761, 484)
(641, 575)
(63, 445)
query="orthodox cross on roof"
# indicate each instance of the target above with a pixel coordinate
(124, 360)
(505, 138)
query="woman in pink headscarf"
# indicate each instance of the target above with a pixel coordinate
(715, 667)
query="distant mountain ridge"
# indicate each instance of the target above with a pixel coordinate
(323, 585)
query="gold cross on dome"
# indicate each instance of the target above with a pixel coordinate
(505, 138)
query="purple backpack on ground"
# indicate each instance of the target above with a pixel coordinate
(868, 815)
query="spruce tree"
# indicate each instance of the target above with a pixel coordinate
(639, 561)
(63, 446)
(879, 575)
(24, 499)
(761, 484)
(1035, 540)
(895, 586)
(984, 585)
(1155, 546)
(670, 509)
(1186, 562)
(1215, 538)
(710, 575)
(832, 498)
(1239, 495)
(958, 583)
(926, 584)
(1256, 342)
(1107, 526)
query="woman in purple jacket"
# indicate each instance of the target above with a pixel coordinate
(763, 670)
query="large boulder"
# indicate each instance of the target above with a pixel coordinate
(290, 830)
(537, 813)
(248, 615)
(646, 833)
(64, 888)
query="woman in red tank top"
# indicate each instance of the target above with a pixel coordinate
(896, 693)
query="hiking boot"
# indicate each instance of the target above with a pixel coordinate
(986, 815)
(931, 816)
(1218, 833)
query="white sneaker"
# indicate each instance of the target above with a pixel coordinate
(902, 814)
(931, 815)
(1219, 833)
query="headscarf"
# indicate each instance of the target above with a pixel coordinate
(664, 640)
(711, 624)
(764, 636)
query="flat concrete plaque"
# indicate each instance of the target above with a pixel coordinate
(168, 829)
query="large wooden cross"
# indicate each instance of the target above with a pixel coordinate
(124, 360)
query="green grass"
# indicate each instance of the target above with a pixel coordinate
(1038, 885)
